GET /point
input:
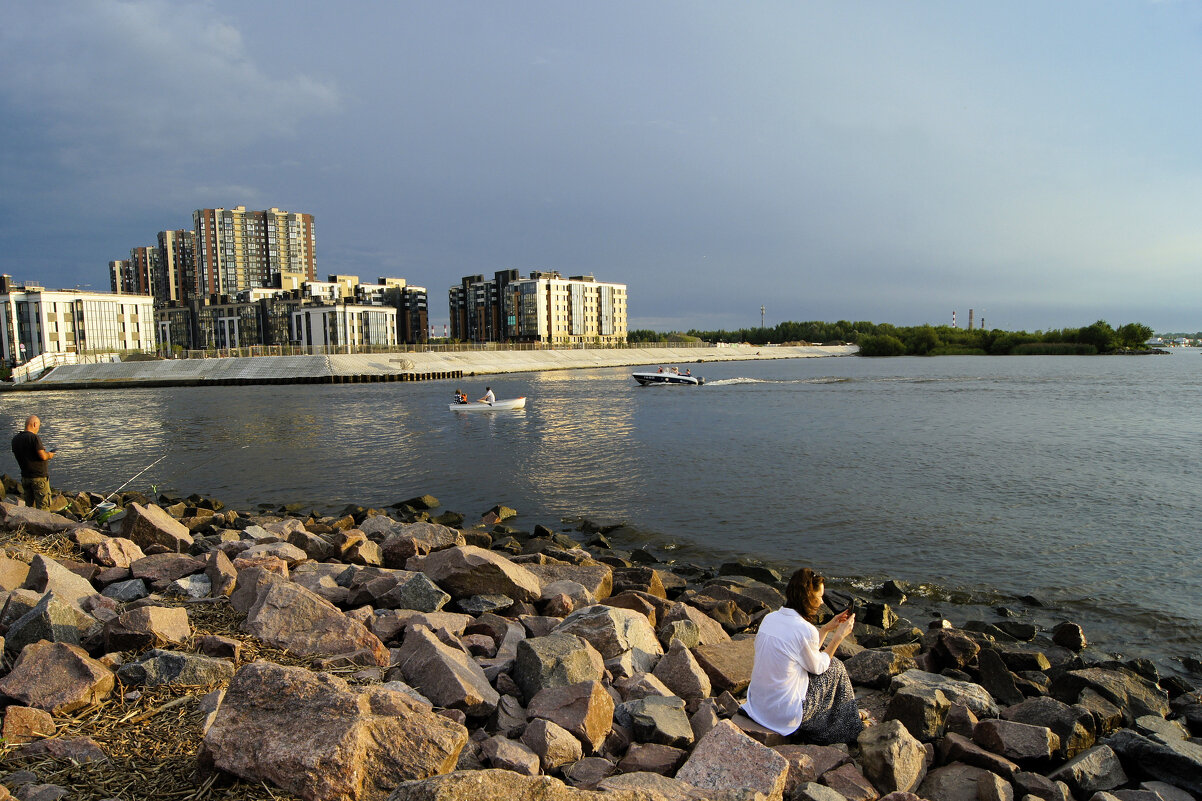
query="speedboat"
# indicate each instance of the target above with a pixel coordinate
(672, 376)
(494, 406)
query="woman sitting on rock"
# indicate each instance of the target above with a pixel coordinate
(797, 686)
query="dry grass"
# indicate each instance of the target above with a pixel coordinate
(151, 735)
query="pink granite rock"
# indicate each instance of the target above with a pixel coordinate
(57, 677)
(314, 735)
(727, 759)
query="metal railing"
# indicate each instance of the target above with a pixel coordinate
(457, 347)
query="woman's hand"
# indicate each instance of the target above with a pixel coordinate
(846, 625)
(834, 622)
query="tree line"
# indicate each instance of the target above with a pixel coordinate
(883, 339)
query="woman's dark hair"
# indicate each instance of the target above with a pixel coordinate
(804, 593)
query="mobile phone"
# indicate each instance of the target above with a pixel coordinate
(840, 603)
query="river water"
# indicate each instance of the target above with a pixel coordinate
(984, 479)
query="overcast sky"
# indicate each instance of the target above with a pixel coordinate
(1038, 162)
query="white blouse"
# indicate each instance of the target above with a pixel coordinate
(786, 653)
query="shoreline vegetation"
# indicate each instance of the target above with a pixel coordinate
(172, 647)
(926, 340)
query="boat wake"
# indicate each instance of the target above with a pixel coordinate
(720, 382)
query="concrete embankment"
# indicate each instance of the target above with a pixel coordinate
(409, 366)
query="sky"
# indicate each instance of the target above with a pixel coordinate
(1040, 163)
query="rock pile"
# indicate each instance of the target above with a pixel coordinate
(431, 661)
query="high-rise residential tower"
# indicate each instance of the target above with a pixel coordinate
(238, 249)
(177, 266)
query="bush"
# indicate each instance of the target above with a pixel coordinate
(881, 345)
(1054, 349)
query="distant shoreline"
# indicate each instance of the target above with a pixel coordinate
(398, 366)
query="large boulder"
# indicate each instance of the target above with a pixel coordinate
(1130, 692)
(57, 677)
(448, 676)
(1093, 770)
(556, 660)
(973, 696)
(596, 578)
(156, 668)
(314, 735)
(466, 570)
(36, 521)
(584, 709)
(505, 785)
(683, 675)
(286, 615)
(1074, 725)
(892, 759)
(616, 633)
(146, 627)
(727, 759)
(728, 664)
(47, 575)
(151, 525)
(51, 620)
(1173, 761)
(401, 542)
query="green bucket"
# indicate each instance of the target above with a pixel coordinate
(104, 511)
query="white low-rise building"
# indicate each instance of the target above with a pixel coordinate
(34, 320)
(344, 324)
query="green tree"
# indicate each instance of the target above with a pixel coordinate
(1100, 335)
(881, 345)
(1133, 335)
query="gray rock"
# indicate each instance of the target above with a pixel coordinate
(614, 633)
(680, 671)
(47, 575)
(1024, 743)
(922, 709)
(1095, 769)
(971, 695)
(656, 719)
(501, 752)
(1134, 695)
(1177, 762)
(50, 619)
(125, 591)
(447, 676)
(556, 660)
(157, 668)
(1074, 725)
(891, 758)
(554, 745)
(466, 570)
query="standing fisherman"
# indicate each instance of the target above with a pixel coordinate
(32, 457)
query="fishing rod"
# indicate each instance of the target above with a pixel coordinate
(131, 479)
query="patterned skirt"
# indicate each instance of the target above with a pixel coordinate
(830, 714)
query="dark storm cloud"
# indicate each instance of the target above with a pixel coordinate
(828, 161)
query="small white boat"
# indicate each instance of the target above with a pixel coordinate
(670, 376)
(481, 406)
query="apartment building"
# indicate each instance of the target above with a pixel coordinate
(545, 307)
(344, 324)
(176, 277)
(34, 320)
(120, 276)
(238, 249)
(145, 265)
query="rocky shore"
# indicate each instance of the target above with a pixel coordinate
(180, 649)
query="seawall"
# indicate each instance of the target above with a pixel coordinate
(407, 366)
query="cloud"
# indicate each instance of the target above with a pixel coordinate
(145, 79)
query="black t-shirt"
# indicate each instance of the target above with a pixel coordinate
(25, 448)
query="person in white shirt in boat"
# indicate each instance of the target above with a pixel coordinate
(489, 397)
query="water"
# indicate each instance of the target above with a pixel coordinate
(985, 479)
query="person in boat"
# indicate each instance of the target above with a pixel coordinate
(798, 688)
(489, 397)
(660, 370)
(689, 371)
(460, 396)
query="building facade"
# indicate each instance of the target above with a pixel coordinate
(34, 320)
(144, 269)
(545, 307)
(238, 249)
(176, 278)
(344, 325)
